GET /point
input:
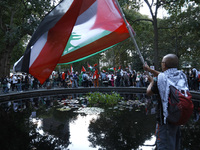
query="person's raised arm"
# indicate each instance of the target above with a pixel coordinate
(154, 72)
(151, 82)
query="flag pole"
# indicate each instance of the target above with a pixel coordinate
(131, 33)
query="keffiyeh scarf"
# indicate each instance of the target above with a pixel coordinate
(169, 77)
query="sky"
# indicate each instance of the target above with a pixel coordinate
(145, 11)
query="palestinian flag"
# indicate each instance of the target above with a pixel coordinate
(72, 31)
(119, 69)
(112, 69)
(90, 67)
(83, 69)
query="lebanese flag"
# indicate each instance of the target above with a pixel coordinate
(72, 31)
(83, 69)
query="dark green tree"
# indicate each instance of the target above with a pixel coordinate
(18, 19)
(179, 34)
(190, 33)
(173, 7)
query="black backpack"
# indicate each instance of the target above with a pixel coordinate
(84, 77)
(180, 107)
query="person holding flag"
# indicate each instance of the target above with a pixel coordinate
(168, 135)
(63, 79)
(96, 76)
(80, 79)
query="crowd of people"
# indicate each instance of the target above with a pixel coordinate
(93, 78)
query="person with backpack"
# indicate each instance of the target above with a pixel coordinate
(85, 79)
(74, 81)
(169, 82)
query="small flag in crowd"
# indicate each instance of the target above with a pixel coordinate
(95, 65)
(90, 67)
(83, 69)
(112, 69)
(72, 69)
(68, 72)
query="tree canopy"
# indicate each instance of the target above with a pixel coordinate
(18, 19)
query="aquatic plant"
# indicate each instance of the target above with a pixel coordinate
(103, 98)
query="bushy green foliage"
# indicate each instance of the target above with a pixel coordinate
(105, 99)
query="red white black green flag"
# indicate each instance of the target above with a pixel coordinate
(72, 31)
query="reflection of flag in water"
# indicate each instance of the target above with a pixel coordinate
(72, 31)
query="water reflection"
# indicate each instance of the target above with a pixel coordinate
(121, 130)
(79, 132)
(38, 123)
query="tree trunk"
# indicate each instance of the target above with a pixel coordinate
(5, 62)
(113, 58)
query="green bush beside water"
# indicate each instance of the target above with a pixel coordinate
(105, 99)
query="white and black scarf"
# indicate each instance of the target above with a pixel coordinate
(169, 77)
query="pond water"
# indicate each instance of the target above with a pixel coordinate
(66, 123)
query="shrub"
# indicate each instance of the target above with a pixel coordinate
(101, 98)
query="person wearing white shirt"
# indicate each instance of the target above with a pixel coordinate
(14, 82)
